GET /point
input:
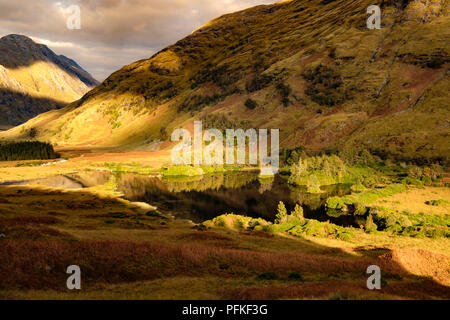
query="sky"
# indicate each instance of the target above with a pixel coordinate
(112, 33)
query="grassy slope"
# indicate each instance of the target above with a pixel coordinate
(414, 201)
(393, 97)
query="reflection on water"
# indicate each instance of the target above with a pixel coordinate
(240, 193)
(203, 198)
(70, 181)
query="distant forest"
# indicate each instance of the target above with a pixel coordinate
(27, 150)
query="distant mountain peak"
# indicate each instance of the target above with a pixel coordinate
(19, 50)
(33, 79)
(16, 37)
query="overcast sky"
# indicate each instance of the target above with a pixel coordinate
(113, 33)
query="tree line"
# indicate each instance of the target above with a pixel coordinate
(27, 150)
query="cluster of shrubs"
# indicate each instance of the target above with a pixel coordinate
(251, 104)
(27, 150)
(198, 102)
(316, 171)
(427, 175)
(223, 76)
(346, 203)
(375, 219)
(294, 224)
(407, 224)
(358, 156)
(153, 89)
(292, 156)
(324, 85)
(259, 82)
(437, 203)
(221, 122)
(434, 60)
(284, 90)
(237, 222)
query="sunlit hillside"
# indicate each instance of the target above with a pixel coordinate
(33, 80)
(311, 68)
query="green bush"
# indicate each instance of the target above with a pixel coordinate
(369, 182)
(370, 226)
(316, 228)
(182, 171)
(197, 102)
(344, 235)
(358, 188)
(336, 203)
(281, 213)
(318, 171)
(298, 212)
(234, 221)
(373, 195)
(426, 181)
(439, 202)
(412, 181)
(360, 209)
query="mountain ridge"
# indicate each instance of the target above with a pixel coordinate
(310, 68)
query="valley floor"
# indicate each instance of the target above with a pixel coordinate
(128, 250)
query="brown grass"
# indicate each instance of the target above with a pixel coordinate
(41, 264)
(344, 289)
(20, 221)
(413, 200)
(260, 234)
(205, 236)
(423, 263)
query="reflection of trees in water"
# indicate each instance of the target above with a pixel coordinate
(92, 179)
(71, 181)
(265, 186)
(203, 198)
(311, 200)
(54, 182)
(135, 186)
(314, 201)
(214, 182)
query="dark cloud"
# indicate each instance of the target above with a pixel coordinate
(113, 32)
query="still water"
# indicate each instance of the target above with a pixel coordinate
(202, 198)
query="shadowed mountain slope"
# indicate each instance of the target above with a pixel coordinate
(311, 68)
(33, 79)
